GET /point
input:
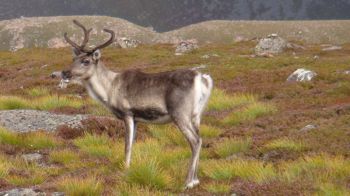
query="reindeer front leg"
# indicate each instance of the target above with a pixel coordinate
(129, 138)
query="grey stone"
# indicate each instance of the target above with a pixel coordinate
(33, 120)
(128, 42)
(301, 75)
(22, 192)
(58, 194)
(308, 128)
(32, 157)
(272, 44)
(332, 48)
(347, 72)
(185, 47)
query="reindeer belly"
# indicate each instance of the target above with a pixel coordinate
(151, 115)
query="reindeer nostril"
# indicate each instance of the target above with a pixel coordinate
(66, 74)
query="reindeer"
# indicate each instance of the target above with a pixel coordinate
(133, 96)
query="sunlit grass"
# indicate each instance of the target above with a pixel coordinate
(207, 131)
(249, 113)
(148, 173)
(33, 140)
(5, 166)
(168, 134)
(47, 102)
(125, 189)
(95, 145)
(284, 144)
(220, 100)
(328, 189)
(38, 91)
(218, 188)
(229, 147)
(89, 186)
(63, 156)
(12, 102)
(251, 170)
(321, 168)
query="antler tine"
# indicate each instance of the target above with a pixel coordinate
(71, 42)
(86, 34)
(110, 41)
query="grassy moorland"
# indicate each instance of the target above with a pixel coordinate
(253, 143)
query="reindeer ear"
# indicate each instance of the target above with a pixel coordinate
(76, 52)
(96, 55)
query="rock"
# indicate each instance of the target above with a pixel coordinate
(270, 155)
(316, 57)
(272, 44)
(128, 42)
(332, 48)
(240, 38)
(301, 75)
(207, 56)
(22, 192)
(308, 128)
(57, 194)
(32, 120)
(185, 47)
(56, 74)
(32, 157)
(295, 46)
(347, 72)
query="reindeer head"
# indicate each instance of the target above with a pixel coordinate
(85, 61)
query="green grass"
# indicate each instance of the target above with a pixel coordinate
(125, 189)
(89, 186)
(38, 91)
(95, 145)
(320, 168)
(208, 132)
(5, 166)
(229, 147)
(218, 188)
(284, 144)
(251, 170)
(47, 102)
(147, 173)
(168, 134)
(328, 189)
(221, 100)
(249, 113)
(63, 156)
(33, 140)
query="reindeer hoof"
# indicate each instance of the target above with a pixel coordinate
(192, 184)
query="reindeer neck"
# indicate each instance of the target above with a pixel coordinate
(99, 84)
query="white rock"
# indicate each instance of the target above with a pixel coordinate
(332, 48)
(22, 192)
(33, 157)
(185, 47)
(301, 75)
(308, 128)
(125, 42)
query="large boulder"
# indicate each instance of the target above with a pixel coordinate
(185, 47)
(272, 44)
(125, 42)
(301, 75)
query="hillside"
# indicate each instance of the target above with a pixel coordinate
(48, 31)
(165, 15)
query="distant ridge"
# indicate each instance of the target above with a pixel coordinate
(48, 31)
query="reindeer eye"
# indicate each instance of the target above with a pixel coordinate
(85, 61)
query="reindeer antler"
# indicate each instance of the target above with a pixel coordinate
(82, 48)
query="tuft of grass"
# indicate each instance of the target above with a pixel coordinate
(207, 131)
(33, 140)
(218, 188)
(12, 103)
(147, 173)
(5, 166)
(125, 189)
(95, 145)
(89, 186)
(231, 146)
(168, 134)
(328, 189)
(284, 144)
(63, 156)
(38, 91)
(220, 100)
(53, 101)
(320, 168)
(249, 113)
(251, 170)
